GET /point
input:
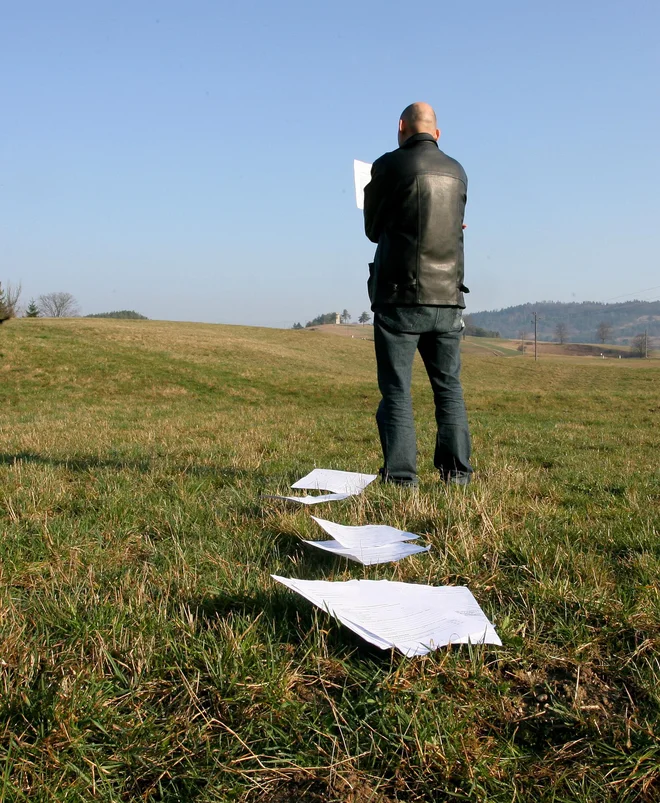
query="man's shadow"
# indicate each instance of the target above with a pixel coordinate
(144, 464)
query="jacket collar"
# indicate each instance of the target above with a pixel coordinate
(415, 138)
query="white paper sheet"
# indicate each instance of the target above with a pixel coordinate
(338, 482)
(309, 500)
(370, 555)
(414, 619)
(369, 544)
(362, 175)
(365, 536)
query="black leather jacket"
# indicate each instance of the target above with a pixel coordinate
(413, 209)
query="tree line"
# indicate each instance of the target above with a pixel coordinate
(124, 314)
(472, 330)
(584, 322)
(49, 305)
(639, 345)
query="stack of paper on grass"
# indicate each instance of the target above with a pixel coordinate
(341, 485)
(413, 619)
(309, 500)
(338, 482)
(369, 544)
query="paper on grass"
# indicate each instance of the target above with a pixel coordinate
(370, 555)
(365, 535)
(309, 500)
(362, 175)
(369, 544)
(414, 619)
(341, 485)
(338, 482)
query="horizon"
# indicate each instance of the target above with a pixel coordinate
(354, 318)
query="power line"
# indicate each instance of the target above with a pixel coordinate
(625, 295)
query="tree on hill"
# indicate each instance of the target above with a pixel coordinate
(640, 345)
(604, 331)
(32, 310)
(364, 318)
(127, 314)
(297, 326)
(477, 331)
(345, 316)
(320, 320)
(561, 332)
(58, 305)
(4, 309)
(9, 297)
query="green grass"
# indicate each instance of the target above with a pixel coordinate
(145, 653)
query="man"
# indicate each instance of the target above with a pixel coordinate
(413, 209)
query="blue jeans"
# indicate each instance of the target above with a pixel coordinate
(436, 332)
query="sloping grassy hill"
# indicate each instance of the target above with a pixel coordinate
(145, 653)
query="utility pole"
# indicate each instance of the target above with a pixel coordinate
(535, 339)
(646, 344)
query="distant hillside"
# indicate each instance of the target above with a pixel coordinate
(122, 313)
(580, 319)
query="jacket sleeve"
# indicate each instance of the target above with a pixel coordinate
(376, 201)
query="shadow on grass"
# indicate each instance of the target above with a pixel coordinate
(144, 464)
(292, 619)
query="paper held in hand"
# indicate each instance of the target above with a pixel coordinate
(362, 175)
(413, 619)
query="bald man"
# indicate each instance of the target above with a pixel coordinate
(413, 209)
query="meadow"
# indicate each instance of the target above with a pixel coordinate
(146, 653)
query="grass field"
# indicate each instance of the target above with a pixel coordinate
(145, 653)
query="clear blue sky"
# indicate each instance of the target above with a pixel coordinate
(193, 160)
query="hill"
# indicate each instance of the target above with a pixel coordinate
(147, 654)
(354, 330)
(626, 320)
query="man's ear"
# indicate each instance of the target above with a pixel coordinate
(401, 126)
(437, 134)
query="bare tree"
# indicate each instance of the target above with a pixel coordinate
(58, 305)
(4, 309)
(640, 345)
(604, 331)
(561, 332)
(9, 298)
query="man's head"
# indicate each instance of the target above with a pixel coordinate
(418, 118)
